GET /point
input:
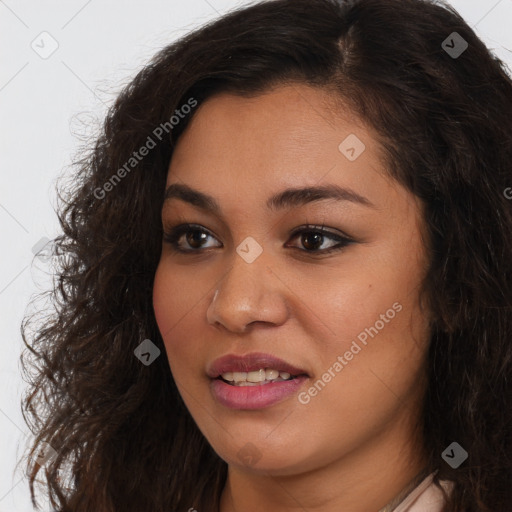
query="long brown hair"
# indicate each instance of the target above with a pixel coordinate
(123, 437)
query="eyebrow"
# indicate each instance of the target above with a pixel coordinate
(288, 198)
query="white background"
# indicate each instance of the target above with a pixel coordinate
(46, 103)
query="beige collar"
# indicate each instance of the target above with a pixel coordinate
(419, 483)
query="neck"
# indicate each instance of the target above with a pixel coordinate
(368, 479)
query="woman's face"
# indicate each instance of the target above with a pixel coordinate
(258, 278)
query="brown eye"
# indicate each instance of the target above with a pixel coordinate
(195, 238)
(188, 238)
(312, 238)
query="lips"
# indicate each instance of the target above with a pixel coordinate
(251, 362)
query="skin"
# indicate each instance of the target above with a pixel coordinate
(335, 452)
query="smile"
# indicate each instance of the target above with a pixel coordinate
(253, 381)
(256, 378)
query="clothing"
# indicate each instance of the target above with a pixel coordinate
(426, 497)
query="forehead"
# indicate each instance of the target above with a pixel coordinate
(287, 135)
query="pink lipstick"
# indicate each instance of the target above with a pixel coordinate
(253, 381)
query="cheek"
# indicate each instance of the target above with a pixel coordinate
(374, 322)
(175, 296)
(163, 302)
(174, 314)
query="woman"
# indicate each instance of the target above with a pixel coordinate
(285, 274)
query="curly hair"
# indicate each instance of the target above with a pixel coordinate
(124, 438)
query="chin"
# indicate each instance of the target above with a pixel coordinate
(272, 460)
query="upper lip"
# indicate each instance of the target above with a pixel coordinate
(250, 362)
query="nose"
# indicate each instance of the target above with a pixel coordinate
(248, 293)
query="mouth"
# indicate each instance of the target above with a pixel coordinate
(258, 377)
(255, 368)
(254, 381)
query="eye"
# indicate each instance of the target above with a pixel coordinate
(192, 234)
(312, 239)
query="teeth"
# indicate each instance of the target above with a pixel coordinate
(271, 374)
(255, 378)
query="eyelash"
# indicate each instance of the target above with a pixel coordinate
(173, 235)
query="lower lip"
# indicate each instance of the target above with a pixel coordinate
(254, 397)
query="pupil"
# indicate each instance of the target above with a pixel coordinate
(194, 238)
(312, 239)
